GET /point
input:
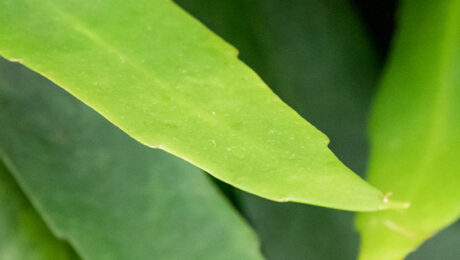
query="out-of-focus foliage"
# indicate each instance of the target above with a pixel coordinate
(23, 234)
(443, 245)
(415, 131)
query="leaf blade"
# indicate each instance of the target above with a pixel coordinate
(201, 103)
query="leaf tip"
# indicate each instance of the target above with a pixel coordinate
(390, 204)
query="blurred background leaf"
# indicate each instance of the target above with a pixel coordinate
(415, 131)
(109, 196)
(23, 234)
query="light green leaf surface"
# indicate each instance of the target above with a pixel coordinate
(23, 234)
(316, 56)
(109, 196)
(415, 131)
(163, 78)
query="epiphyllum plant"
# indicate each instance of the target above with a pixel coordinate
(167, 81)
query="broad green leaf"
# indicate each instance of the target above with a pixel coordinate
(315, 55)
(109, 196)
(23, 234)
(415, 131)
(163, 78)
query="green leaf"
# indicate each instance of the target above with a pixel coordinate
(170, 83)
(23, 234)
(109, 196)
(415, 131)
(316, 56)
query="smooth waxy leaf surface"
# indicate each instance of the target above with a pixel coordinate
(315, 55)
(23, 234)
(415, 131)
(170, 83)
(109, 196)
